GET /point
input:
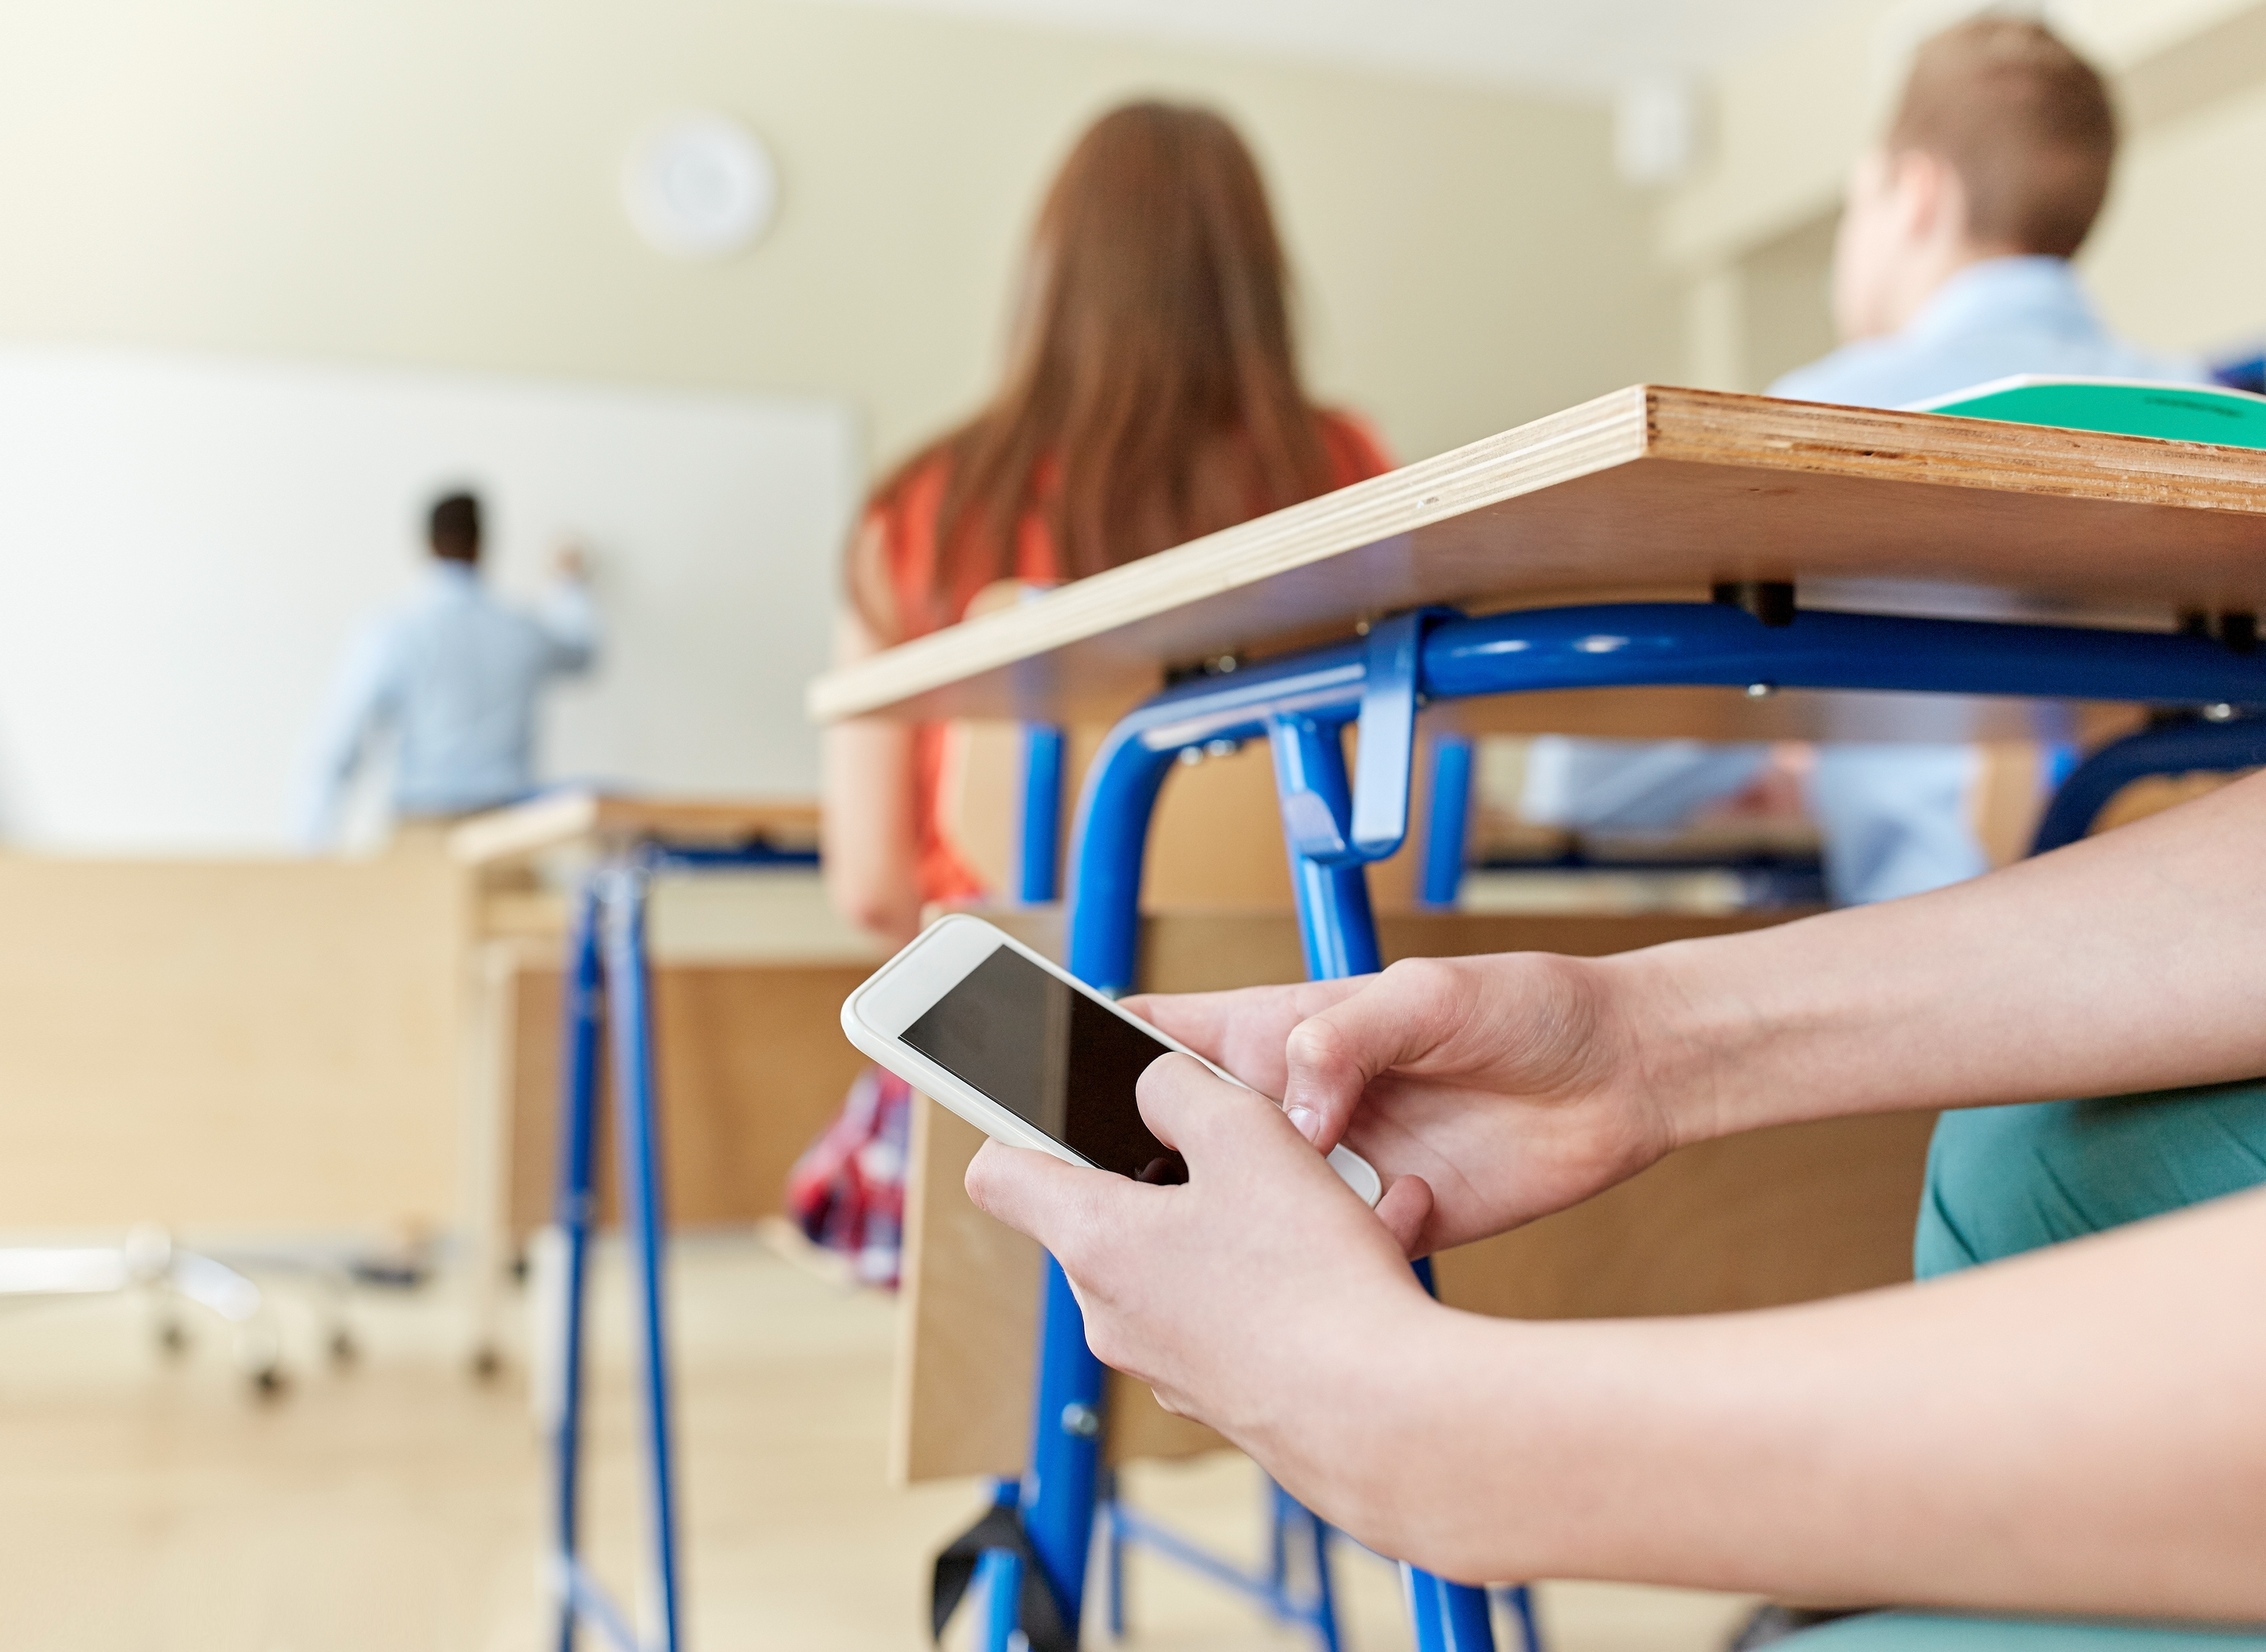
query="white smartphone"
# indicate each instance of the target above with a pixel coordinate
(1026, 1052)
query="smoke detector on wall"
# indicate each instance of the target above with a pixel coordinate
(699, 187)
(1656, 130)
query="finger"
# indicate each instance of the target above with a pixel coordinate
(1057, 1203)
(1393, 1018)
(1243, 1030)
(1190, 1108)
(1405, 1209)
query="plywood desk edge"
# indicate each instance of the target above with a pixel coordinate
(1650, 422)
(1609, 430)
(578, 817)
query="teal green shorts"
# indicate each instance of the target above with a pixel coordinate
(2003, 1180)
(1925, 1632)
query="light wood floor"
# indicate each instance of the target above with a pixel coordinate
(148, 1505)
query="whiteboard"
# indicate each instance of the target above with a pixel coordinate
(188, 545)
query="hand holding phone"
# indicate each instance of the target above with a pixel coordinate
(1027, 1053)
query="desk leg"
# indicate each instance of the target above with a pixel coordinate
(636, 1134)
(571, 1241)
(486, 1149)
(1340, 933)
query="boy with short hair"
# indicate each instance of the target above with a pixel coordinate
(1951, 269)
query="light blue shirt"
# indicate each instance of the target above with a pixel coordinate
(1993, 320)
(455, 675)
(1893, 815)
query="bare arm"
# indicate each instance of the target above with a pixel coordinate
(2074, 1431)
(867, 846)
(1518, 1083)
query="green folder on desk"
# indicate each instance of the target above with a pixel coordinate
(2173, 412)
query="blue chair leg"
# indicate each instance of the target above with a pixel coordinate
(1447, 825)
(1340, 933)
(1113, 1535)
(1038, 843)
(1293, 1529)
(577, 1124)
(1519, 1600)
(1282, 1510)
(999, 1585)
(1448, 1617)
(1058, 1494)
(1058, 1500)
(637, 1133)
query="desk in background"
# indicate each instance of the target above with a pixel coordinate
(749, 975)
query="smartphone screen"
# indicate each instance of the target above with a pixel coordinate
(1054, 1058)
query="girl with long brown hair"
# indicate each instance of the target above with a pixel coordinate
(1152, 396)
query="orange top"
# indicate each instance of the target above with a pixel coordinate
(908, 525)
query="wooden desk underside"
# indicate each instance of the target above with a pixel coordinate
(1647, 493)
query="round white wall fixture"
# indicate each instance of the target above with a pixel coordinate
(700, 186)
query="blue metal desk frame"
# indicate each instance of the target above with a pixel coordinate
(609, 1001)
(1334, 825)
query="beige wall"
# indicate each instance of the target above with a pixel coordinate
(2179, 256)
(433, 183)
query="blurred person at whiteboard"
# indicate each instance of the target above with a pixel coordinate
(1951, 269)
(1151, 394)
(454, 676)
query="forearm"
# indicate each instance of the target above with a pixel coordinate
(2076, 1431)
(2124, 963)
(868, 851)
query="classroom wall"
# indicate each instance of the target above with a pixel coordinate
(203, 539)
(432, 183)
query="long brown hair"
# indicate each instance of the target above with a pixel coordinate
(1152, 394)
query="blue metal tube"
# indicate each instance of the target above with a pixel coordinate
(2175, 748)
(1340, 933)
(1111, 832)
(1447, 1617)
(1632, 644)
(577, 1132)
(636, 1132)
(1700, 644)
(1325, 1612)
(1334, 921)
(1519, 1599)
(1039, 844)
(999, 1586)
(1103, 949)
(1058, 1489)
(1115, 1537)
(1270, 1588)
(1447, 825)
(586, 1600)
